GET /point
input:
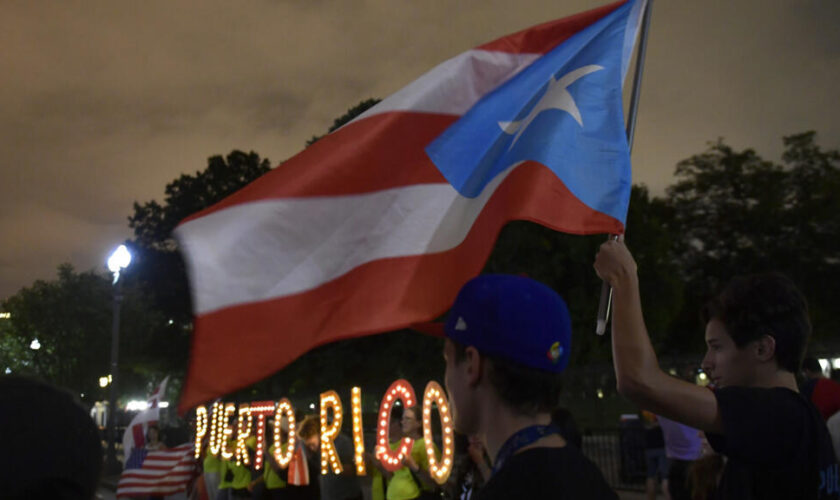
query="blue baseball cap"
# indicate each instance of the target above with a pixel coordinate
(515, 318)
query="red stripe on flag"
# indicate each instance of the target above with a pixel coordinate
(340, 163)
(342, 308)
(544, 37)
(137, 434)
(162, 472)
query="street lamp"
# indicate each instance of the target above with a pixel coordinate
(118, 261)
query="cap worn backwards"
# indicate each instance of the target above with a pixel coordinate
(515, 318)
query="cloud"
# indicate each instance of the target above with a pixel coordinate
(106, 102)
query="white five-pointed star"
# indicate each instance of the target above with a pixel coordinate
(555, 97)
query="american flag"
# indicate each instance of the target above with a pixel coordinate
(161, 472)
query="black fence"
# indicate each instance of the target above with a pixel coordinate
(619, 453)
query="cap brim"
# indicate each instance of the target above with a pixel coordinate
(431, 328)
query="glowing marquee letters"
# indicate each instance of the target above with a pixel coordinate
(329, 455)
(252, 416)
(243, 431)
(358, 437)
(200, 428)
(260, 410)
(392, 460)
(284, 409)
(434, 394)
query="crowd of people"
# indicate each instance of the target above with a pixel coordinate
(754, 433)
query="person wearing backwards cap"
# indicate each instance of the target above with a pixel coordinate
(507, 342)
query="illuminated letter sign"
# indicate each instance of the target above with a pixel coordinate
(260, 410)
(392, 460)
(329, 456)
(200, 428)
(243, 430)
(434, 394)
(226, 430)
(358, 437)
(284, 409)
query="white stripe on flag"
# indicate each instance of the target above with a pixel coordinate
(267, 249)
(454, 86)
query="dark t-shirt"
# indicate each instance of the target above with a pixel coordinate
(555, 473)
(776, 445)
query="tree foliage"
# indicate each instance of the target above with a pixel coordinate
(159, 267)
(736, 213)
(71, 318)
(351, 113)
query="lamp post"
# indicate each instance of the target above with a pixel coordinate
(118, 261)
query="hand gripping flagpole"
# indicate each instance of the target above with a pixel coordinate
(606, 290)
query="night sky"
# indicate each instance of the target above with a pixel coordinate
(105, 102)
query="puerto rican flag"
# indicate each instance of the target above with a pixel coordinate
(376, 226)
(135, 434)
(157, 473)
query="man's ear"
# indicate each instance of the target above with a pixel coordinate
(765, 348)
(474, 365)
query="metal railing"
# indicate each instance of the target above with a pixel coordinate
(620, 455)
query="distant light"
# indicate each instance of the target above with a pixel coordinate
(824, 364)
(137, 405)
(83, 394)
(171, 321)
(5, 315)
(311, 406)
(34, 345)
(164, 404)
(8, 370)
(836, 363)
(600, 394)
(702, 376)
(118, 261)
(103, 381)
(673, 371)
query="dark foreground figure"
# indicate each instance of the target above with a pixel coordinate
(50, 445)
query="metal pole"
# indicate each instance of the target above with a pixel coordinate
(112, 466)
(606, 291)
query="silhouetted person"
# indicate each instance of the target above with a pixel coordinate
(50, 445)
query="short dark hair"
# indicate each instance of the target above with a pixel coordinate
(764, 304)
(811, 364)
(526, 390)
(310, 426)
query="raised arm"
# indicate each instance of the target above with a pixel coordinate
(636, 368)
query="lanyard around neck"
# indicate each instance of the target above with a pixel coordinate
(521, 439)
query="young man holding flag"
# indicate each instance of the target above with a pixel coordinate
(775, 441)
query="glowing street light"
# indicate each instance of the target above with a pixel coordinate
(34, 345)
(118, 261)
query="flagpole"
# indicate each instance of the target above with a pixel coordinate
(606, 291)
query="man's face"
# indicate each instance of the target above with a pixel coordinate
(457, 387)
(409, 423)
(313, 443)
(725, 363)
